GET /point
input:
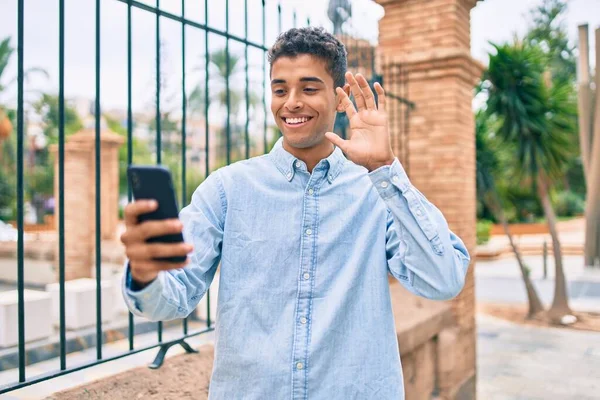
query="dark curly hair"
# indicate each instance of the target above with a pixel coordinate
(315, 42)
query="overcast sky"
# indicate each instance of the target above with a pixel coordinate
(491, 20)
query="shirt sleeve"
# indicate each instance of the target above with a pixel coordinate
(422, 252)
(175, 293)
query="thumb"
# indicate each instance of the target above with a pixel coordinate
(338, 141)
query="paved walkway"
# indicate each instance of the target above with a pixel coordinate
(528, 362)
(500, 281)
(533, 363)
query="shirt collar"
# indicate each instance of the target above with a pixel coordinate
(287, 164)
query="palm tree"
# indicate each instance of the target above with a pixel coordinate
(224, 72)
(487, 168)
(7, 115)
(537, 120)
(6, 53)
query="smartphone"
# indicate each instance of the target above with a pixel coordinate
(155, 182)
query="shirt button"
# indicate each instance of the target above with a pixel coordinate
(298, 164)
(289, 175)
(419, 212)
(311, 192)
(303, 320)
(306, 275)
(309, 231)
(299, 366)
(395, 178)
(384, 184)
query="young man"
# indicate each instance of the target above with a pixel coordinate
(305, 238)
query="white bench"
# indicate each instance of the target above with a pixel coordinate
(80, 302)
(38, 322)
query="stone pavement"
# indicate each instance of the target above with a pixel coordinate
(507, 267)
(534, 363)
(500, 281)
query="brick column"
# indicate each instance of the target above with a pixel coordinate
(79, 197)
(430, 39)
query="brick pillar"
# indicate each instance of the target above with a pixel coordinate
(362, 55)
(430, 39)
(79, 197)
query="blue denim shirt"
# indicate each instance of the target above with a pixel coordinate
(304, 309)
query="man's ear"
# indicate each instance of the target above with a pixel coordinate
(346, 89)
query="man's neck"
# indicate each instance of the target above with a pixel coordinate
(311, 155)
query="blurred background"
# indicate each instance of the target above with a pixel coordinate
(494, 113)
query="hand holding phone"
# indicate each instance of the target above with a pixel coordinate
(153, 237)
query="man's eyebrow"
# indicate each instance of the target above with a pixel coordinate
(311, 79)
(303, 79)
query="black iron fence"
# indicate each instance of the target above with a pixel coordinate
(234, 145)
(160, 15)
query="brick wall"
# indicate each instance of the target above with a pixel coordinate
(430, 39)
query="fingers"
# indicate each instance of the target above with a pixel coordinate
(356, 92)
(346, 103)
(337, 141)
(141, 254)
(367, 92)
(380, 96)
(149, 229)
(144, 266)
(135, 209)
(146, 253)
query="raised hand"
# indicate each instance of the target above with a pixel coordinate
(369, 142)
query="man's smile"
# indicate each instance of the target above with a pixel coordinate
(296, 121)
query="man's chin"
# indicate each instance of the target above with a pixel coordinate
(302, 141)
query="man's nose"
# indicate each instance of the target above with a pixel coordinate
(293, 102)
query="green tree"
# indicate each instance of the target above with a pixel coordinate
(47, 107)
(195, 100)
(8, 151)
(140, 151)
(142, 155)
(549, 33)
(537, 122)
(8, 147)
(7, 195)
(488, 167)
(39, 178)
(218, 60)
(6, 53)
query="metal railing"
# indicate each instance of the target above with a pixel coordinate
(161, 14)
(399, 122)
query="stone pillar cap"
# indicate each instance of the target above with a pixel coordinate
(89, 135)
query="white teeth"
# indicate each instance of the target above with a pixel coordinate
(296, 120)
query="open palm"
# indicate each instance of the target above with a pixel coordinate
(369, 142)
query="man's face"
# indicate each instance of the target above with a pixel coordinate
(303, 99)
